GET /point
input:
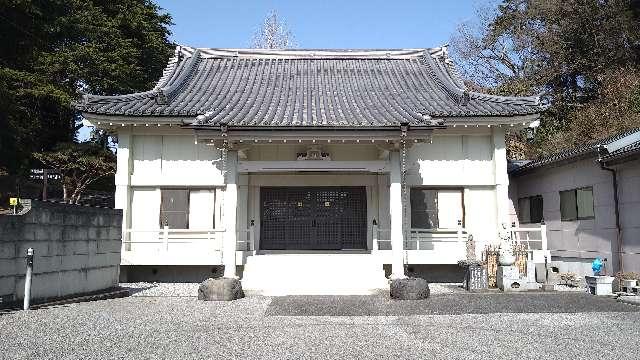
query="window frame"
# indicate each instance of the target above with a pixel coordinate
(436, 189)
(577, 210)
(530, 200)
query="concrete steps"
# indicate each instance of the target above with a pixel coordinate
(313, 274)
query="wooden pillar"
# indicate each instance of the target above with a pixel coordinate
(395, 210)
(230, 215)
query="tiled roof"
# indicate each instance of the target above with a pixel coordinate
(310, 88)
(631, 149)
(587, 150)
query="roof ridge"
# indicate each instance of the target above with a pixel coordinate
(317, 53)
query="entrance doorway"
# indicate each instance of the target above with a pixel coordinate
(313, 218)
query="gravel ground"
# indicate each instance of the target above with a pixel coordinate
(250, 328)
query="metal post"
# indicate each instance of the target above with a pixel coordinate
(27, 279)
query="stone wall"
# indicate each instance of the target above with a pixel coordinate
(77, 250)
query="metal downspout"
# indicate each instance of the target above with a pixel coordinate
(614, 176)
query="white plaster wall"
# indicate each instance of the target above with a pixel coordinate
(582, 239)
(452, 160)
(174, 160)
(481, 215)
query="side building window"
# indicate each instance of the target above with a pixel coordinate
(436, 208)
(174, 208)
(530, 209)
(576, 204)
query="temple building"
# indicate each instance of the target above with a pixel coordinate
(308, 171)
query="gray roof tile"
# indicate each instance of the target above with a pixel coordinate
(310, 88)
(584, 151)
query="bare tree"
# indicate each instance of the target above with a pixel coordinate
(499, 62)
(273, 34)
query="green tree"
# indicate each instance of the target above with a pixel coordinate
(52, 51)
(572, 52)
(80, 165)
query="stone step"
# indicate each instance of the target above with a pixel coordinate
(313, 274)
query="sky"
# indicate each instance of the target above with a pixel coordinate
(321, 23)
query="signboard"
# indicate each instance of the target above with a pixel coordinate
(39, 174)
(13, 201)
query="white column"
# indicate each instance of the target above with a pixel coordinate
(230, 208)
(501, 176)
(242, 221)
(395, 210)
(123, 179)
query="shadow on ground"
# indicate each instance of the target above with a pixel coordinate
(444, 305)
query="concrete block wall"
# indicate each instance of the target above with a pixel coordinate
(77, 250)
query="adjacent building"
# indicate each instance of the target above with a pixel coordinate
(589, 197)
(308, 171)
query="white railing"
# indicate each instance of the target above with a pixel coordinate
(419, 239)
(422, 239)
(210, 239)
(246, 238)
(422, 246)
(530, 235)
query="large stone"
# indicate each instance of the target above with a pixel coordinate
(220, 289)
(409, 289)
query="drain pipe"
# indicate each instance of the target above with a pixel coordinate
(614, 177)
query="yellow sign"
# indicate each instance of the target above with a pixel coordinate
(13, 201)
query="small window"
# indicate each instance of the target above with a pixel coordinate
(436, 208)
(174, 208)
(530, 209)
(576, 204)
(584, 202)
